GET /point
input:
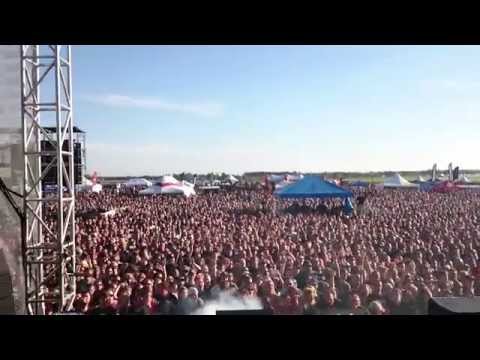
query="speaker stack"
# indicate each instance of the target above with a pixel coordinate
(51, 176)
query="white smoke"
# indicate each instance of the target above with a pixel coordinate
(226, 301)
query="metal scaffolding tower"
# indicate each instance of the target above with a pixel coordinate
(48, 243)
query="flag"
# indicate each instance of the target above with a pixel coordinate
(450, 174)
(434, 172)
(455, 173)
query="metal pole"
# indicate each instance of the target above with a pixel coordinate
(60, 225)
(73, 270)
(39, 229)
(24, 224)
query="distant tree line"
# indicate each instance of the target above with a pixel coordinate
(189, 176)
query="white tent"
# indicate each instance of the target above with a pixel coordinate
(397, 181)
(287, 180)
(276, 178)
(282, 184)
(138, 182)
(232, 179)
(85, 186)
(333, 181)
(280, 178)
(294, 177)
(96, 188)
(177, 189)
(89, 188)
(167, 179)
(186, 183)
(168, 185)
(420, 179)
(463, 178)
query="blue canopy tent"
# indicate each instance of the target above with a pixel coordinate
(312, 187)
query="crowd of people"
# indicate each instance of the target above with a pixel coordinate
(173, 255)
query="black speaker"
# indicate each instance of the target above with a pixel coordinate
(77, 153)
(51, 176)
(244, 312)
(77, 174)
(454, 306)
(7, 302)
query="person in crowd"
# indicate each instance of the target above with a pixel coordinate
(270, 297)
(82, 302)
(124, 302)
(304, 274)
(165, 304)
(107, 304)
(328, 304)
(290, 301)
(356, 307)
(195, 301)
(424, 296)
(361, 200)
(376, 308)
(184, 305)
(348, 207)
(309, 301)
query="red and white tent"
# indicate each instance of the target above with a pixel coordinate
(90, 185)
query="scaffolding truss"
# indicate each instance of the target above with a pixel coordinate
(48, 243)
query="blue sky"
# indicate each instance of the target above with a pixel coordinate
(162, 109)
